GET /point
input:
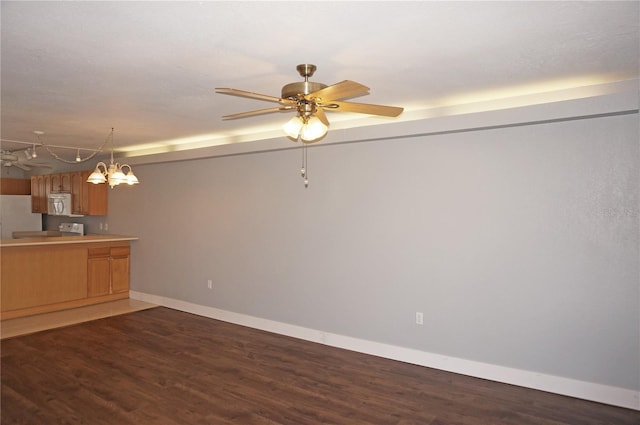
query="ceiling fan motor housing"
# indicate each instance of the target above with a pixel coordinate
(296, 90)
(302, 88)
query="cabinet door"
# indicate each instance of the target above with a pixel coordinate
(99, 272)
(44, 189)
(119, 269)
(35, 195)
(79, 193)
(54, 183)
(96, 195)
(60, 183)
(65, 183)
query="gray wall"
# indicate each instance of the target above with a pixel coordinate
(519, 244)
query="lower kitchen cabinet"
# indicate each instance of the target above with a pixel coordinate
(40, 277)
(107, 270)
(98, 272)
(119, 269)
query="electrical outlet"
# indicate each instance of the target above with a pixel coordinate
(419, 318)
(106, 226)
(101, 226)
(209, 284)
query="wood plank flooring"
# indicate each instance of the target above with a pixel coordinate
(40, 322)
(161, 366)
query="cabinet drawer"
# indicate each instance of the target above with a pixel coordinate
(120, 251)
(99, 252)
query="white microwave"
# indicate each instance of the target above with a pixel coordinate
(60, 204)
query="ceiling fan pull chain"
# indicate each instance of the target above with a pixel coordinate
(303, 170)
(305, 166)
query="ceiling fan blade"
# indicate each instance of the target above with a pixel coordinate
(363, 108)
(341, 90)
(243, 93)
(8, 156)
(22, 166)
(322, 116)
(39, 165)
(257, 112)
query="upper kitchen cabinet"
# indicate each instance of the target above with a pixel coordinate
(61, 183)
(40, 189)
(86, 198)
(9, 186)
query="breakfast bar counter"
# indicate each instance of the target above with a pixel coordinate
(57, 240)
(45, 274)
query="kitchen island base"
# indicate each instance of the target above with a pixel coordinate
(42, 275)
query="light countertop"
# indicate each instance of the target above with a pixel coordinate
(65, 240)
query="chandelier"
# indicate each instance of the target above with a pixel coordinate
(112, 174)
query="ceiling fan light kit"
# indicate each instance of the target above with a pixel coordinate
(308, 129)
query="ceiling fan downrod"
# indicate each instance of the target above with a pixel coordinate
(299, 89)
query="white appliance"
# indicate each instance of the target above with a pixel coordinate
(59, 204)
(16, 215)
(71, 229)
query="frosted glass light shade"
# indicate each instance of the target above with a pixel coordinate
(292, 127)
(96, 177)
(313, 129)
(131, 178)
(117, 178)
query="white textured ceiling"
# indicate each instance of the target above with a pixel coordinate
(76, 69)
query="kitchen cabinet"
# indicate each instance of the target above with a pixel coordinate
(119, 257)
(86, 198)
(79, 194)
(35, 195)
(108, 270)
(40, 189)
(49, 274)
(61, 183)
(10, 186)
(98, 272)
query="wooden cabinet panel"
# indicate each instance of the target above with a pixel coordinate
(35, 195)
(98, 272)
(108, 270)
(97, 196)
(54, 181)
(65, 183)
(61, 183)
(120, 269)
(40, 189)
(15, 186)
(37, 275)
(45, 190)
(79, 193)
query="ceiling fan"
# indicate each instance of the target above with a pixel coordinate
(13, 159)
(310, 100)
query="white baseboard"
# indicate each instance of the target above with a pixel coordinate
(570, 387)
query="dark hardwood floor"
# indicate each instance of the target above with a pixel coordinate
(162, 366)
